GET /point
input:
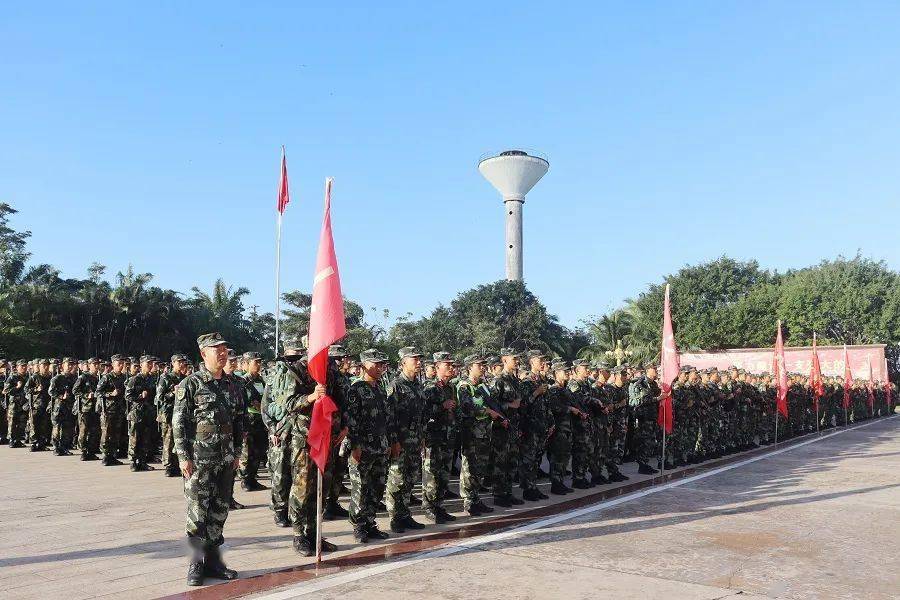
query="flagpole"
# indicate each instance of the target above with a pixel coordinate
(278, 283)
(319, 516)
(816, 397)
(776, 422)
(662, 470)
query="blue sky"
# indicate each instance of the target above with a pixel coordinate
(676, 132)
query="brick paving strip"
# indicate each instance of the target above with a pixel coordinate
(410, 547)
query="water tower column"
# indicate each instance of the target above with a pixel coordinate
(514, 238)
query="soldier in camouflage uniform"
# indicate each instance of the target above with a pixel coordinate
(406, 403)
(617, 394)
(5, 368)
(62, 416)
(203, 429)
(476, 412)
(274, 416)
(165, 405)
(38, 387)
(582, 428)
(507, 394)
(239, 411)
(565, 408)
(257, 438)
(16, 411)
(339, 380)
(643, 399)
(367, 439)
(84, 389)
(536, 423)
(439, 424)
(111, 398)
(140, 392)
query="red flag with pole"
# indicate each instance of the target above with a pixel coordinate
(670, 367)
(848, 379)
(870, 385)
(284, 195)
(326, 326)
(815, 377)
(781, 373)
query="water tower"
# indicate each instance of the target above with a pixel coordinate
(513, 173)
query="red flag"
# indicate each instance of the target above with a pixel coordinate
(326, 326)
(870, 385)
(780, 374)
(887, 386)
(284, 195)
(848, 379)
(670, 367)
(815, 377)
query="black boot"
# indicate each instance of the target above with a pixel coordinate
(411, 523)
(581, 484)
(281, 519)
(109, 461)
(214, 567)
(333, 510)
(195, 570)
(515, 500)
(360, 533)
(435, 515)
(326, 545)
(599, 479)
(302, 546)
(447, 516)
(531, 495)
(502, 501)
(375, 533)
(617, 476)
(558, 488)
(397, 526)
(415, 501)
(235, 505)
(645, 469)
(474, 510)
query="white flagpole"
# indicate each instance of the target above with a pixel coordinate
(278, 284)
(319, 515)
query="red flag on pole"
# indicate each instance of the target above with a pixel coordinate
(887, 386)
(848, 379)
(870, 385)
(284, 195)
(781, 373)
(670, 367)
(326, 326)
(815, 377)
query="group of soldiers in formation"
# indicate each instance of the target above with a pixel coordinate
(499, 416)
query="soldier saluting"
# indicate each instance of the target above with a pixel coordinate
(202, 427)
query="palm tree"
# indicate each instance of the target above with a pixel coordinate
(606, 333)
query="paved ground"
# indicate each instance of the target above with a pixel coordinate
(818, 521)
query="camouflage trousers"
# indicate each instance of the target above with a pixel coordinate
(533, 446)
(4, 423)
(89, 433)
(367, 483)
(475, 452)
(39, 425)
(254, 448)
(122, 440)
(505, 446)
(601, 453)
(436, 474)
(401, 477)
(618, 421)
(18, 421)
(208, 493)
(560, 453)
(337, 464)
(140, 439)
(645, 440)
(280, 470)
(111, 434)
(582, 449)
(63, 432)
(169, 459)
(684, 437)
(304, 480)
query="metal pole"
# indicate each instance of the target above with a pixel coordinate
(662, 470)
(278, 284)
(776, 423)
(318, 516)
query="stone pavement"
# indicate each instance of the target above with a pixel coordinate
(79, 530)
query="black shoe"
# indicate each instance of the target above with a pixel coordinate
(84, 457)
(645, 469)
(447, 516)
(57, 452)
(516, 501)
(381, 507)
(122, 454)
(558, 488)
(581, 484)
(250, 485)
(109, 461)
(503, 501)
(134, 467)
(532, 495)
(235, 505)
(474, 510)
(448, 495)
(34, 448)
(333, 510)
(360, 534)
(436, 516)
(376, 534)
(214, 567)
(397, 526)
(484, 508)
(599, 479)
(326, 545)
(195, 572)
(618, 476)
(16, 445)
(281, 519)
(415, 501)
(541, 495)
(302, 546)
(542, 474)
(410, 523)
(173, 473)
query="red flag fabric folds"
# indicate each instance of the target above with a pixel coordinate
(669, 368)
(284, 196)
(326, 326)
(815, 378)
(870, 387)
(781, 374)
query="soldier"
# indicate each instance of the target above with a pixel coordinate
(16, 411)
(582, 431)
(111, 396)
(643, 399)
(477, 413)
(507, 394)
(62, 415)
(203, 429)
(5, 368)
(140, 392)
(599, 416)
(368, 443)
(257, 439)
(165, 405)
(339, 380)
(439, 423)
(295, 392)
(406, 403)
(565, 409)
(617, 395)
(38, 387)
(239, 411)
(85, 409)
(537, 425)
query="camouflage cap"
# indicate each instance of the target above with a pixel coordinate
(373, 356)
(685, 369)
(493, 361)
(232, 354)
(409, 352)
(473, 359)
(179, 358)
(54, 361)
(252, 356)
(132, 359)
(22, 362)
(442, 357)
(559, 365)
(293, 341)
(581, 362)
(337, 351)
(44, 361)
(208, 340)
(535, 354)
(509, 352)
(69, 359)
(94, 360)
(618, 369)
(146, 358)
(602, 365)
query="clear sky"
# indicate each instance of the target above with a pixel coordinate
(676, 132)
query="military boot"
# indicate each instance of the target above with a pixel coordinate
(503, 501)
(645, 469)
(326, 545)
(110, 461)
(333, 510)
(581, 484)
(302, 546)
(531, 494)
(360, 533)
(214, 567)
(195, 570)
(411, 523)
(281, 519)
(558, 488)
(375, 533)
(397, 526)
(235, 505)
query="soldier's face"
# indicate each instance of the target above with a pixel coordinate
(21, 369)
(374, 369)
(92, 368)
(253, 366)
(476, 370)
(561, 376)
(510, 363)
(651, 374)
(215, 357)
(444, 370)
(581, 372)
(537, 364)
(146, 367)
(68, 368)
(44, 369)
(429, 371)
(412, 364)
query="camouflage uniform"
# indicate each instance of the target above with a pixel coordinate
(406, 402)
(643, 399)
(4, 406)
(561, 401)
(366, 431)
(39, 416)
(582, 431)
(475, 434)
(165, 405)
(439, 426)
(111, 410)
(536, 423)
(505, 440)
(84, 388)
(257, 439)
(140, 391)
(62, 415)
(279, 427)
(618, 421)
(17, 414)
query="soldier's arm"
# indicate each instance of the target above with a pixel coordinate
(354, 408)
(162, 387)
(183, 424)
(132, 393)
